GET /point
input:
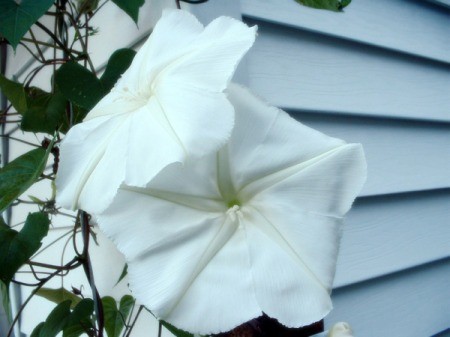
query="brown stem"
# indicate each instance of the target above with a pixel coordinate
(33, 38)
(39, 286)
(98, 306)
(54, 37)
(135, 320)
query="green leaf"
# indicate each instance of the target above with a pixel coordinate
(115, 319)
(45, 113)
(4, 295)
(344, 3)
(119, 61)
(131, 7)
(87, 6)
(177, 332)
(80, 319)
(59, 295)
(78, 115)
(123, 274)
(17, 176)
(17, 247)
(14, 92)
(56, 321)
(79, 85)
(16, 17)
(332, 5)
(37, 330)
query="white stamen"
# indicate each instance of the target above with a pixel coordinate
(234, 212)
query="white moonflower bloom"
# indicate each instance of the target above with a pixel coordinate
(167, 107)
(253, 228)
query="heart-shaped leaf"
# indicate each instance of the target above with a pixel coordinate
(131, 7)
(45, 113)
(14, 92)
(17, 16)
(17, 247)
(79, 85)
(80, 319)
(119, 61)
(17, 176)
(115, 319)
(56, 321)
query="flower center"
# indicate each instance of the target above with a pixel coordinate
(234, 209)
(233, 202)
(131, 95)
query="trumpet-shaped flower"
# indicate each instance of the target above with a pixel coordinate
(168, 106)
(252, 228)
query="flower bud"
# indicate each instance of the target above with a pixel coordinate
(341, 329)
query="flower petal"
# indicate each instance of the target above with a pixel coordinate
(171, 38)
(223, 296)
(201, 120)
(212, 57)
(172, 262)
(113, 104)
(190, 89)
(150, 146)
(83, 149)
(327, 184)
(285, 287)
(264, 132)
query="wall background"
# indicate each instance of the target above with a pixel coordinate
(378, 74)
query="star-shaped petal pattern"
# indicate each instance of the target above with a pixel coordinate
(253, 228)
(158, 113)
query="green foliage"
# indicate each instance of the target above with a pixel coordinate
(177, 332)
(79, 85)
(56, 321)
(6, 303)
(332, 5)
(59, 295)
(115, 319)
(123, 274)
(72, 324)
(17, 247)
(80, 319)
(17, 176)
(119, 61)
(83, 88)
(131, 7)
(16, 17)
(87, 6)
(15, 93)
(45, 112)
(37, 330)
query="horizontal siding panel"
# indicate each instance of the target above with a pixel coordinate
(416, 27)
(301, 70)
(414, 303)
(391, 233)
(402, 155)
(445, 333)
(445, 3)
